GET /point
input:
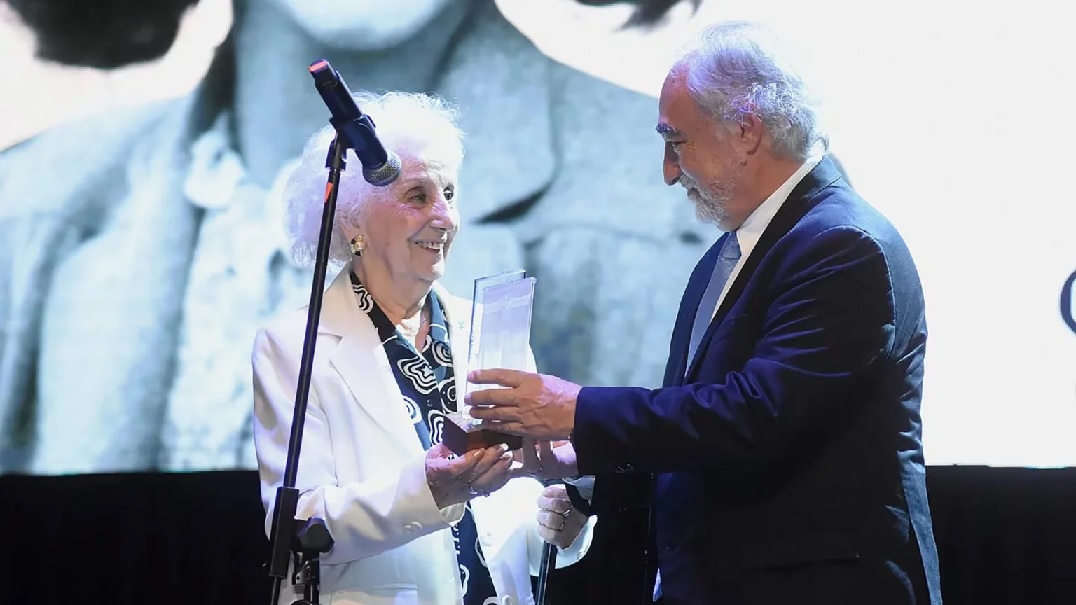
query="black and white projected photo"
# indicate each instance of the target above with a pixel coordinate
(142, 166)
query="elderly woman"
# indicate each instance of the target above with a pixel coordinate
(411, 522)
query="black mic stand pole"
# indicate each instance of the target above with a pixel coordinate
(548, 561)
(307, 541)
(549, 551)
(545, 566)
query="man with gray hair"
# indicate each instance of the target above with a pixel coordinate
(787, 439)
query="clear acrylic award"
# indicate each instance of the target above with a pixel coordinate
(499, 338)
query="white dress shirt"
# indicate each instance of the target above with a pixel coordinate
(751, 230)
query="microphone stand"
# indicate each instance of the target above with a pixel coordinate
(305, 540)
(545, 567)
(548, 561)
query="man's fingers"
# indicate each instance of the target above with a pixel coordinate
(501, 376)
(531, 462)
(545, 450)
(510, 427)
(492, 397)
(494, 414)
(517, 471)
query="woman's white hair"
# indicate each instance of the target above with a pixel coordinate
(404, 122)
(736, 68)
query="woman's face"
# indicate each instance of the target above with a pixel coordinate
(409, 226)
(362, 24)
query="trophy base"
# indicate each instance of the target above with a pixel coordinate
(459, 441)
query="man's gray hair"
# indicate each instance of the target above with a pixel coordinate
(405, 122)
(736, 68)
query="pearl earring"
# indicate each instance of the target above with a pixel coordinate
(358, 244)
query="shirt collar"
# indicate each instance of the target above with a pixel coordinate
(751, 230)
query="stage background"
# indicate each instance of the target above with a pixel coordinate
(970, 100)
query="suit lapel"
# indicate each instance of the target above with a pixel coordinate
(795, 207)
(361, 362)
(696, 287)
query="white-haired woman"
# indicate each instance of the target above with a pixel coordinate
(411, 523)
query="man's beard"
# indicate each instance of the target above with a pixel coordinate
(712, 201)
(709, 208)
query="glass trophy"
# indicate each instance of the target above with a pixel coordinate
(499, 338)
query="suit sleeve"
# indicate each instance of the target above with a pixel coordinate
(823, 335)
(364, 518)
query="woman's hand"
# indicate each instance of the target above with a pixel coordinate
(454, 480)
(558, 522)
(544, 460)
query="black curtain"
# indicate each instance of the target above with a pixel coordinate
(1005, 535)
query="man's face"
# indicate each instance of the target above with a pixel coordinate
(700, 155)
(362, 24)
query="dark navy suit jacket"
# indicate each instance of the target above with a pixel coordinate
(788, 457)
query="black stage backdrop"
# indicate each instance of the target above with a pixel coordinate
(1005, 535)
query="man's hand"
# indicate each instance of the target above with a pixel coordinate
(545, 460)
(532, 405)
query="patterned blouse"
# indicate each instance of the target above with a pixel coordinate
(427, 382)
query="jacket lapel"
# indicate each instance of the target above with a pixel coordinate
(361, 362)
(696, 287)
(795, 207)
(458, 316)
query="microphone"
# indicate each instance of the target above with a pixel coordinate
(380, 167)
